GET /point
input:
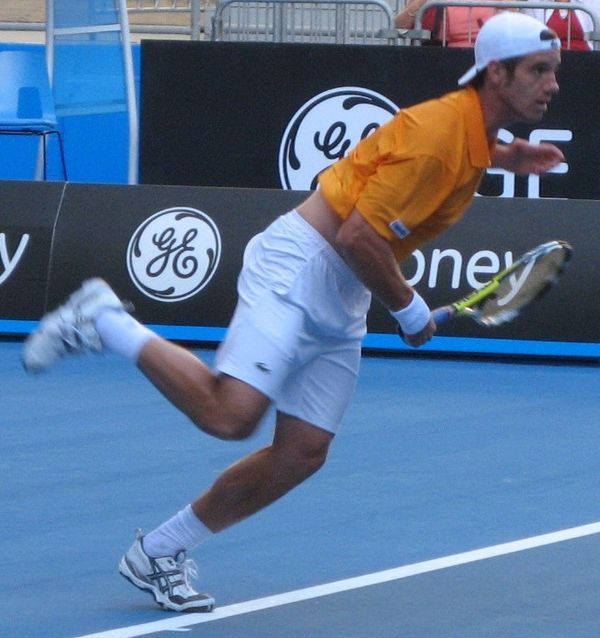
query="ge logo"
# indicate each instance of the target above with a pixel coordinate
(325, 129)
(174, 254)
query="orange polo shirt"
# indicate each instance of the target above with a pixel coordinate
(415, 175)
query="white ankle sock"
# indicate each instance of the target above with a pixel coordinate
(184, 531)
(121, 333)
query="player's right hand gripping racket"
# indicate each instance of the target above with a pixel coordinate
(506, 294)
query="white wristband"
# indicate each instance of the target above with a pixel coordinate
(414, 317)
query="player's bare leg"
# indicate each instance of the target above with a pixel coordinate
(218, 404)
(298, 451)
(93, 319)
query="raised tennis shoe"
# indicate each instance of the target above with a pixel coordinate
(70, 328)
(167, 578)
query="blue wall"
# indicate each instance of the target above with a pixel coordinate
(96, 146)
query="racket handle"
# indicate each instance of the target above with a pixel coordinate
(442, 315)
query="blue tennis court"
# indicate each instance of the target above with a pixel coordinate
(459, 500)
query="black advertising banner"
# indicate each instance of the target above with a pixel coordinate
(27, 216)
(263, 115)
(174, 252)
(494, 233)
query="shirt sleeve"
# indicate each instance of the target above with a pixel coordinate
(403, 193)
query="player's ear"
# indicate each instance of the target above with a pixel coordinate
(496, 72)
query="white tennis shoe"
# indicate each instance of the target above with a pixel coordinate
(70, 328)
(166, 578)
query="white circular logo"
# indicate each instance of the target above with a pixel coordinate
(174, 254)
(325, 129)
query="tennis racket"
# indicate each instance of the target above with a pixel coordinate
(515, 287)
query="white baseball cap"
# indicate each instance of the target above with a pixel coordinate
(509, 35)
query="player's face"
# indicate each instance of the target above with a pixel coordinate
(528, 91)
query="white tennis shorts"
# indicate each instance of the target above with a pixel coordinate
(297, 330)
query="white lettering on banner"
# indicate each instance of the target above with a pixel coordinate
(483, 262)
(547, 135)
(516, 284)
(533, 181)
(7, 262)
(436, 259)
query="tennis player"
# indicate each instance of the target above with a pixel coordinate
(305, 288)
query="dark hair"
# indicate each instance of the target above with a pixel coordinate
(510, 64)
(548, 34)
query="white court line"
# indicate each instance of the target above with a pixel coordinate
(184, 621)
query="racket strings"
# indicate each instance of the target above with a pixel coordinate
(529, 281)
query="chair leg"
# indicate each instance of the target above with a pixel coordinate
(44, 156)
(43, 137)
(62, 156)
(61, 149)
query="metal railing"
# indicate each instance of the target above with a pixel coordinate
(334, 21)
(191, 16)
(418, 35)
(315, 21)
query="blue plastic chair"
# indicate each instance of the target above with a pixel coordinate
(26, 101)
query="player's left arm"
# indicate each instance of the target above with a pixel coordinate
(371, 258)
(523, 158)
